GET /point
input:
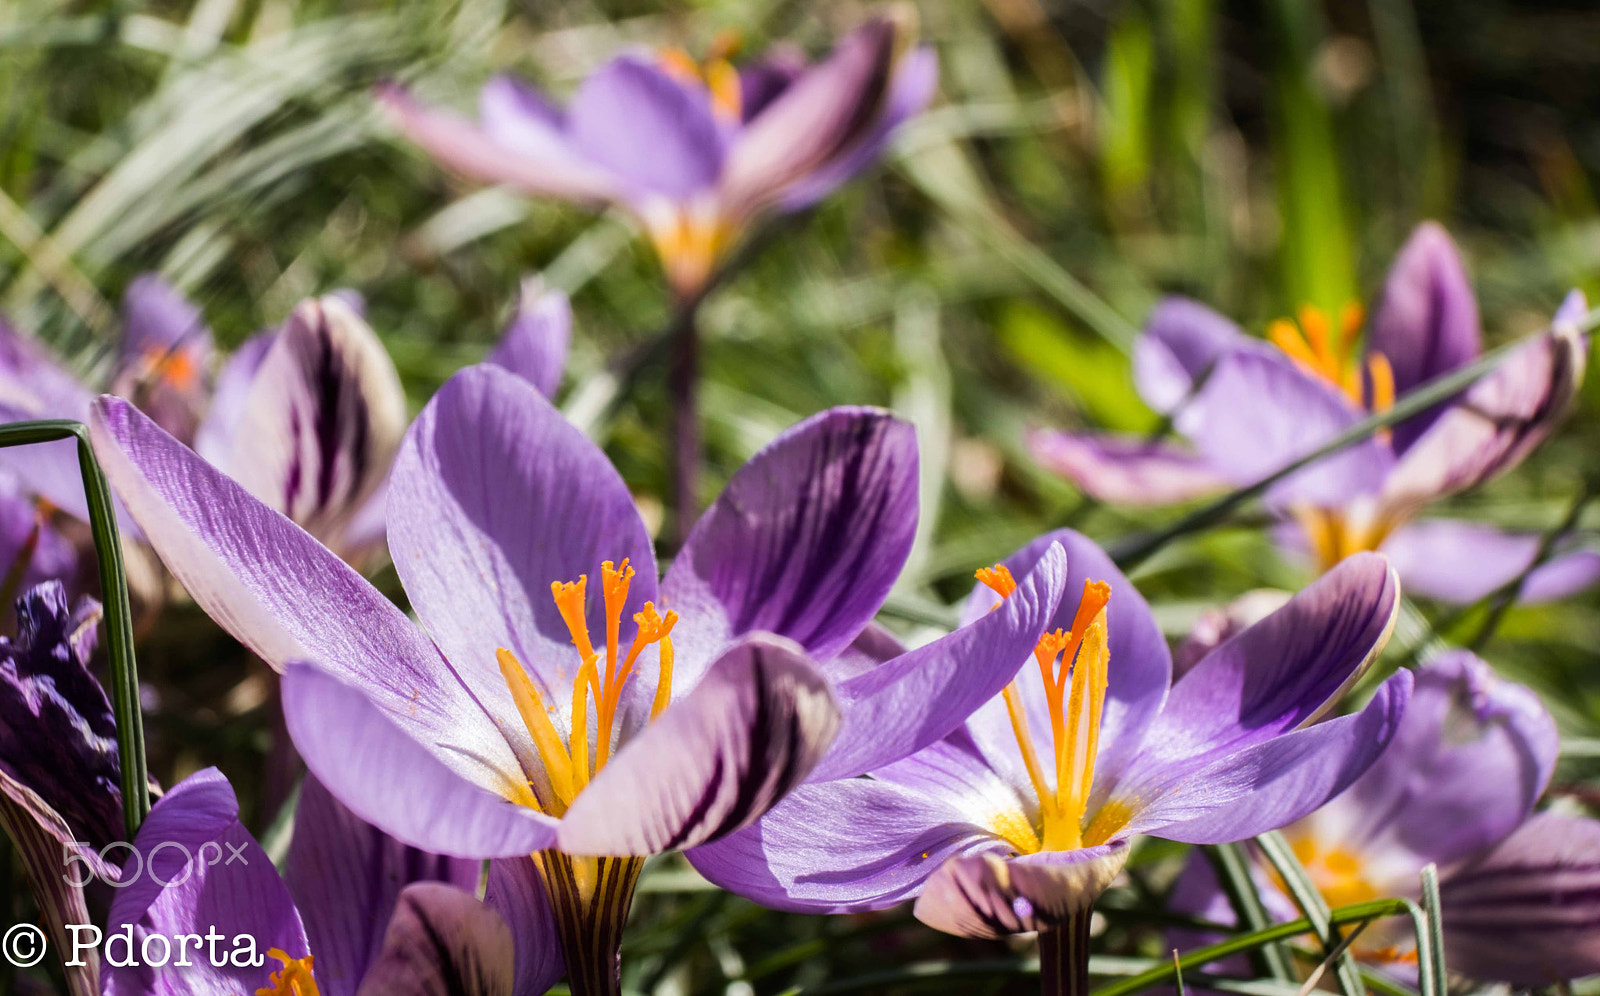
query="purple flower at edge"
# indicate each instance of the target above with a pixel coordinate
(1022, 817)
(558, 702)
(1455, 788)
(695, 152)
(1246, 407)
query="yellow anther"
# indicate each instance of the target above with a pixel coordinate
(294, 979)
(530, 705)
(679, 64)
(1077, 750)
(580, 723)
(1381, 376)
(722, 82)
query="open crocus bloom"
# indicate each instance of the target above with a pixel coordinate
(306, 416)
(359, 914)
(1314, 379)
(695, 151)
(1017, 821)
(560, 703)
(1456, 788)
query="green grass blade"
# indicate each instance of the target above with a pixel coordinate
(1232, 866)
(1313, 906)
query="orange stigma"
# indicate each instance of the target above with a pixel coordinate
(1075, 693)
(567, 764)
(715, 73)
(294, 979)
(171, 366)
(1334, 355)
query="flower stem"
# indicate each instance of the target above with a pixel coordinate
(589, 899)
(683, 374)
(1064, 957)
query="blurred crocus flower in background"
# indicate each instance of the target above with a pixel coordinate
(1247, 407)
(529, 717)
(306, 416)
(535, 342)
(697, 152)
(356, 914)
(1019, 820)
(1456, 789)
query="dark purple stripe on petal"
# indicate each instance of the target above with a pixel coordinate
(441, 942)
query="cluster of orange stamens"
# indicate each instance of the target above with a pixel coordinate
(1334, 355)
(294, 979)
(169, 366)
(715, 72)
(1073, 665)
(567, 764)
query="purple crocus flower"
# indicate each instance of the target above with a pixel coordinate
(32, 550)
(566, 736)
(695, 152)
(534, 345)
(1247, 407)
(60, 794)
(307, 416)
(1022, 817)
(356, 915)
(1456, 789)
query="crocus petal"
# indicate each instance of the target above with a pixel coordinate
(1139, 675)
(224, 419)
(1217, 626)
(1258, 412)
(1281, 673)
(52, 880)
(521, 119)
(898, 708)
(1181, 341)
(842, 847)
(912, 87)
(201, 871)
(516, 890)
(323, 418)
(534, 346)
(1457, 561)
(29, 541)
(805, 541)
(1471, 757)
(462, 146)
(1270, 783)
(346, 877)
(441, 940)
(873, 646)
(986, 895)
(280, 592)
(818, 116)
(494, 497)
(1494, 424)
(712, 763)
(32, 386)
(156, 317)
(166, 355)
(1126, 470)
(1427, 321)
(657, 135)
(1527, 912)
(433, 796)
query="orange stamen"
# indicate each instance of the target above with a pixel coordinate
(294, 979)
(1381, 374)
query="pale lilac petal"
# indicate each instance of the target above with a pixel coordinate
(805, 541)
(1426, 324)
(1528, 912)
(1494, 424)
(534, 346)
(26, 531)
(493, 497)
(910, 90)
(520, 118)
(1280, 674)
(1470, 759)
(346, 877)
(33, 385)
(441, 940)
(657, 135)
(1257, 413)
(818, 117)
(201, 870)
(1457, 561)
(516, 890)
(713, 762)
(873, 646)
(223, 421)
(322, 421)
(842, 847)
(987, 895)
(1139, 675)
(282, 594)
(464, 147)
(166, 355)
(1181, 341)
(434, 796)
(1126, 470)
(1217, 626)
(906, 704)
(1268, 784)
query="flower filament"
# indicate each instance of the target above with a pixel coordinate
(567, 764)
(294, 979)
(1074, 666)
